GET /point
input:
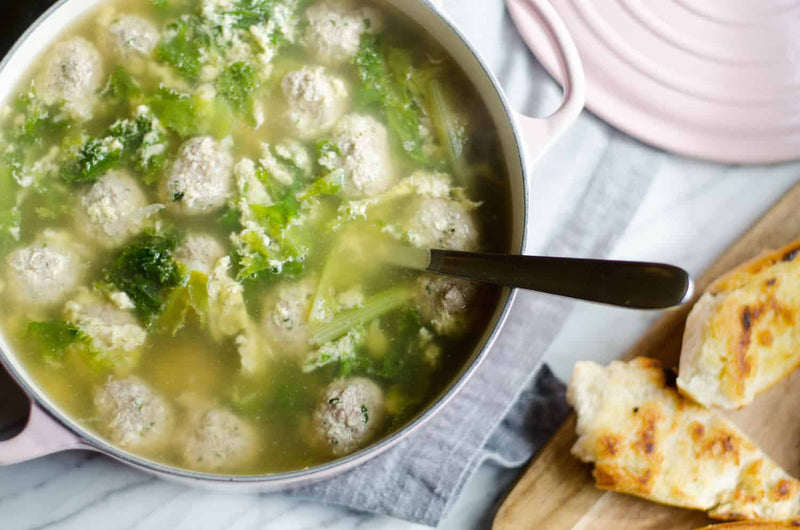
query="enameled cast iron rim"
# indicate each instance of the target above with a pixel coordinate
(327, 469)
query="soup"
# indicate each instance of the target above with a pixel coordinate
(203, 206)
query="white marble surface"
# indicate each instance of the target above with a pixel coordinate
(692, 211)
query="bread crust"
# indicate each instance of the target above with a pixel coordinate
(742, 336)
(646, 439)
(734, 277)
(747, 525)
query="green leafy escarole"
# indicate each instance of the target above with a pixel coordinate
(52, 338)
(138, 142)
(146, 271)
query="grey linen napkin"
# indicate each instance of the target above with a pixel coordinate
(509, 408)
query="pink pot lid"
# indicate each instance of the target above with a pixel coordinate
(713, 79)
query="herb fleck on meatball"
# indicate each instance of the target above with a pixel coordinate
(72, 74)
(43, 274)
(349, 414)
(133, 414)
(201, 178)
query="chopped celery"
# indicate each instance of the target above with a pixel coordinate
(373, 307)
(320, 305)
(198, 292)
(176, 308)
(191, 295)
(450, 135)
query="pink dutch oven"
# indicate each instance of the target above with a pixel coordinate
(523, 140)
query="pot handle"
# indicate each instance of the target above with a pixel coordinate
(41, 436)
(540, 27)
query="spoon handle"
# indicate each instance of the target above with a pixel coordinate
(632, 284)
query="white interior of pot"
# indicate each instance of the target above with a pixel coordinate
(15, 68)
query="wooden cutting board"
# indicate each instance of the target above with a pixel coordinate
(556, 491)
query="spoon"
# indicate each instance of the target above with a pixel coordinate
(631, 284)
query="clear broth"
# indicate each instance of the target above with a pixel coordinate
(279, 403)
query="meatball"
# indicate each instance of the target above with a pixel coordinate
(132, 36)
(285, 317)
(112, 210)
(443, 302)
(335, 28)
(133, 415)
(201, 178)
(365, 156)
(72, 74)
(43, 274)
(113, 331)
(349, 414)
(315, 100)
(442, 223)
(199, 252)
(215, 439)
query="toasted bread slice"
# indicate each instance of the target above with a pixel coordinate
(743, 335)
(647, 440)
